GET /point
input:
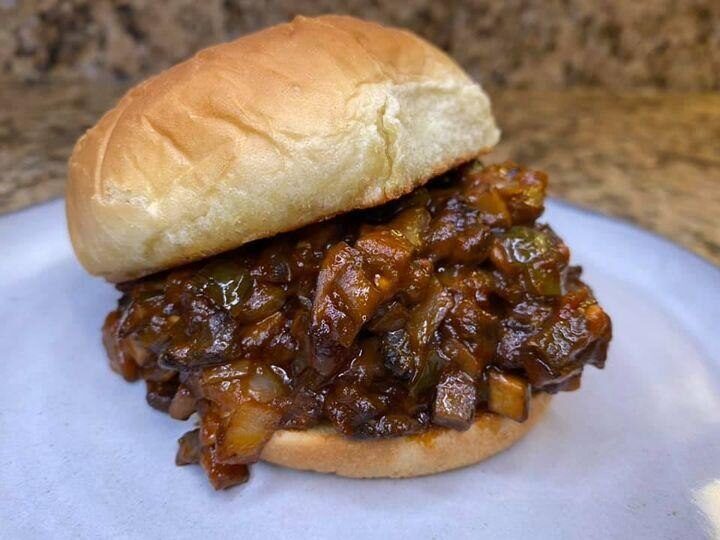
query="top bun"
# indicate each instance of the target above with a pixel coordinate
(267, 133)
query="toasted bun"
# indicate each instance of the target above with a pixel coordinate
(275, 130)
(325, 450)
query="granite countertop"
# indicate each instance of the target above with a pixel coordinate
(650, 158)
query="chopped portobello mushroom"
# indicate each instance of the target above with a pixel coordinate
(508, 395)
(454, 405)
(383, 322)
(398, 357)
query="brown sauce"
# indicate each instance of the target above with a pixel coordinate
(386, 322)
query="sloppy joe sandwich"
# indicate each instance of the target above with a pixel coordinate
(316, 268)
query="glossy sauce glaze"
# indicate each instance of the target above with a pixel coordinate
(383, 322)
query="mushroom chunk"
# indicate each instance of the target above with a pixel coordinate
(454, 404)
(509, 395)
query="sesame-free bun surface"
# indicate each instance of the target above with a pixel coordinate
(325, 450)
(265, 134)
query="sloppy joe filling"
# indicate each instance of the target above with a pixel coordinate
(383, 322)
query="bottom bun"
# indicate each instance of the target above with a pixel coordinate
(325, 450)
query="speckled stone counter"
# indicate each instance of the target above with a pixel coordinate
(651, 158)
(546, 44)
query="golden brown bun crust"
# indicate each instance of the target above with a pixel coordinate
(325, 450)
(275, 130)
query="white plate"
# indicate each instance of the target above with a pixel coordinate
(82, 455)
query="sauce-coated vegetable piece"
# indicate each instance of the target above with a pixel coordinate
(508, 395)
(455, 400)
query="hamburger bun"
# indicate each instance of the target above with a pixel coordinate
(265, 134)
(325, 450)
